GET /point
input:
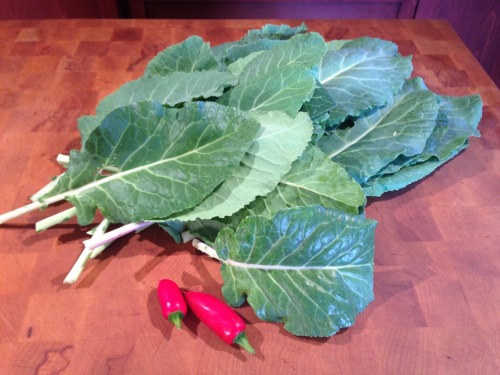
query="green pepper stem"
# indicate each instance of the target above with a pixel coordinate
(242, 340)
(176, 318)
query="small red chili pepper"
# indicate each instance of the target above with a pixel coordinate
(173, 304)
(220, 318)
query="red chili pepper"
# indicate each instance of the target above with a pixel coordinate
(220, 318)
(173, 304)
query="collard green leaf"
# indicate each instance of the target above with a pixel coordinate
(191, 55)
(319, 104)
(457, 122)
(171, 89)
(282, 89)
(363, 74)
(305, 50)
(314, 179)
(255, 40)
(237, 67)
(274, 32)
(165, 160)
(400, 128)
(407, 175)
(463, 115)
(308, 267)
(334, 45)
(86, 125)
(281, 140)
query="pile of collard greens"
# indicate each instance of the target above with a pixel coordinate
(266, 148)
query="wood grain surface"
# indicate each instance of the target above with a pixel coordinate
(437, 262)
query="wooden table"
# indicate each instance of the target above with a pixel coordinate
(437, 262)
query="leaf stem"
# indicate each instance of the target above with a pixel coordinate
(46, 189)
(204, 248)
(63, 160)
(22, 210)
(99, 231)
(110, 236)
(55, 219)
(79, 265)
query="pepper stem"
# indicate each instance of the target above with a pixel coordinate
(242, 340)
(176, 318)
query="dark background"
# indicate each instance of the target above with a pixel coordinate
(477, 22)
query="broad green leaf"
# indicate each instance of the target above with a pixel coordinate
(281, 140)
(335, 45)
(364, 73)
(191, 55)
(237, 67)
(86, 125)
(400, 128)
(459, 117)
(314, 179)
(231, 52)
(172, 89)
(305, 50)
(255, 40)
(309, 267)
(463, 115)
(408, 174)
(320, 103)
(164, 160)
(282, 89)
(274, 32)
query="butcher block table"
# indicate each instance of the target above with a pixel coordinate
(437, 252)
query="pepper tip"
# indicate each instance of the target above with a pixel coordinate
(242, 340)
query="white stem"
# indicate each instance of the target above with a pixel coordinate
(46, 189)
(55, 219)
(78, 267)
(204, 248)
(110, 236)
(187, 236)
(63, 160)
(99, 231)
(98, 250)
(22, 210)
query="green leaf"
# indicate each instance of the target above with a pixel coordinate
(459, 117)
(305, 50)
(320, 103)
(86, 125)
(463, 115)
(308, 267)
(274, 32)
(314, 179)
(280, 141)
(172, 89)
(363, 74)
(188, 56)
(255, 40)
(237, 67)
(166, 160)
(282, 89)
(400, 128)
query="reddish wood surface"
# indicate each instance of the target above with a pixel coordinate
(437, 262)
(476, 22)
